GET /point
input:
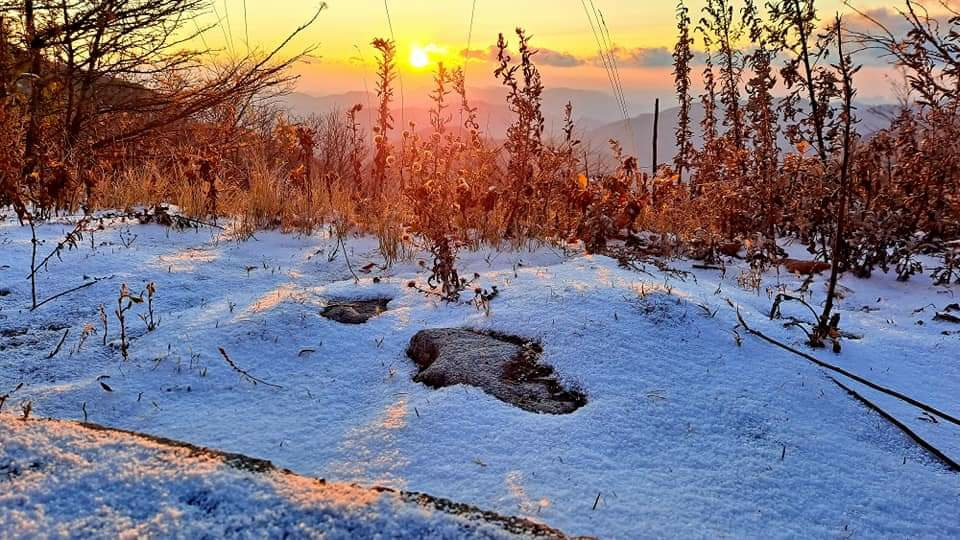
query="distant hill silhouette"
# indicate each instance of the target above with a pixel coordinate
(596, 114)
(591, 108)
(638, 138)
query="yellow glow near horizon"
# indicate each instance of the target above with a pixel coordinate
(419, 58)
(425, 56)
(428, 32)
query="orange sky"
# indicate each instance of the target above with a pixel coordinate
(643, 31)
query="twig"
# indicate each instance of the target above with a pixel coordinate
(142, 216)
(56, 350)
(347, 258)
(75, 289)
(245, 374)
(103, 319)
(33, 265)
(5, 397)
(69, 240)
(953, 465)
(845, 373)
(805, 286)
(197, 222)
(775, 308)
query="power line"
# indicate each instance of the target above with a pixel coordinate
(246, 26)
(226, 38)
(466, 55)
(619, 81)
(403, 121)
(226, 11)
(607, 62)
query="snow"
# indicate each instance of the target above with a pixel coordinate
(63, 480)
(684, 433)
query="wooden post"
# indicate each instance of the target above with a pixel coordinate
(656, 129)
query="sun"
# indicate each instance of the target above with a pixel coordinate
(422, 56)
(419, 57)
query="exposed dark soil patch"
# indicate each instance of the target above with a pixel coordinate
(12, 338)
(505, 367)
(355, 311)
(13, 332)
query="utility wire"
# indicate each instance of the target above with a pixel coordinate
(466, 56)
(607, 65)
(616, 72)
(226, 12)
(226, 38)
(403, 121)
(246, 26)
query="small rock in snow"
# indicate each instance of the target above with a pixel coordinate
(502, 366)
(355, 311)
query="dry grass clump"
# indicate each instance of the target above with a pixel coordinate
(861, 203)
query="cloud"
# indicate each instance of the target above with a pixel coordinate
(627, 57)
(878, 22)
(865, 22)
(549, 57)
(544, 57)
(473, 54)
(488, 54)
(640, 57)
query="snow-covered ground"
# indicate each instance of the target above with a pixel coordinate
(61, 479)
(684, 433)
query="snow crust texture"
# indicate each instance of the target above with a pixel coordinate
(60, 479)
(685, 432)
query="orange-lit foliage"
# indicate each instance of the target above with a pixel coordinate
(214, 149)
